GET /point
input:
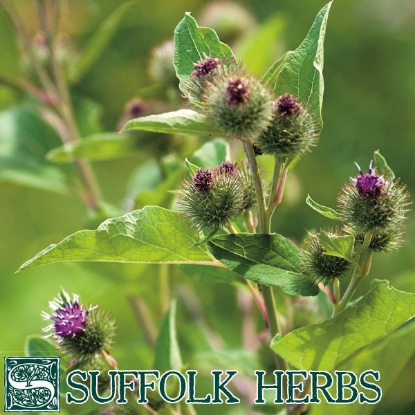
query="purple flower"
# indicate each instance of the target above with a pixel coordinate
(69, 318)
(287, 105)
(205, 67)
(228, 168)
(203, 180)
(369, 185)
(236, 92)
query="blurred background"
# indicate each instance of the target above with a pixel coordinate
(368, 105)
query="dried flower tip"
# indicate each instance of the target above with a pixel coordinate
(205, 67)
(236, 92)
(287, 105)
(369, 184)
(203, 180)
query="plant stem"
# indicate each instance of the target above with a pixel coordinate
(249, 151)
(336, 294)
(141, 311)
(360, 271)
(264, 228)
(279, 178)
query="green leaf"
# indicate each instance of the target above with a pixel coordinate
(193, 43)
(186, 122)
(272, 73)
(268, 34)
(266, 259)
(323, 210)
(337, 245)
(335, 342)
(167, 352)
(24, 141)
(388, 357)
(302, 72)
(98, 41)
(210, 274)
(150, 235)
(102, 146)
(381, 165)
(211, 154)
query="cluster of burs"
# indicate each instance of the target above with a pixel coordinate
(239, 106)
(372, 208)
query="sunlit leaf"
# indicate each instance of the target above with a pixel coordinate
(266, 259)
(193, 43)
(335, 342)
(149, 235)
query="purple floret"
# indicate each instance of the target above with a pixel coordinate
(287, 105)
(203, 180)
(369, 184)
(205, 67)
(69, 320)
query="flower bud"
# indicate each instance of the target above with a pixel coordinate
(318, 265)
(214, 197)
(291, 132)
(238, 104)
(161, 67)
(81, 333)
(376, 204)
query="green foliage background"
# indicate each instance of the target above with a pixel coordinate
(368, 105)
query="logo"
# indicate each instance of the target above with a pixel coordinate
(31, 384)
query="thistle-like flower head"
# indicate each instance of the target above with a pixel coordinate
(81, 332)
(320, 266)
(374, 203)
(69, 318)
(292, 130)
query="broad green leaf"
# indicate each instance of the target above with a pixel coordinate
(381, 165)
(211, 154)
(335, 342)
(193, 43)
(336, 245)
(323, 210)
(24, 141)
(210, 274)
(388, 357)
(102, 146)
(258, 59)
(167, 352)
(149, 235)
(186, 122)
(272, 73)
(98, 41)
(266, 259)
(88, 114)
(302, 71)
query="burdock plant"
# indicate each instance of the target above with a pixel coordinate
(254, 129)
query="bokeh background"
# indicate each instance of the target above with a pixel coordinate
(368, 105)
